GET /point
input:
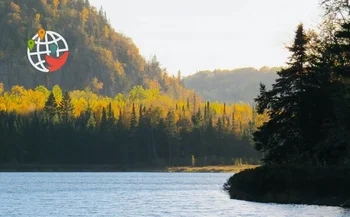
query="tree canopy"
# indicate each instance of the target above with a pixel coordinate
(142, 126)
(309, 104)
(100, 58)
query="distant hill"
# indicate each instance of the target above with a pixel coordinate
(96, 49)
(231, 85)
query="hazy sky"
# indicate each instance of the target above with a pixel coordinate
(191, 35)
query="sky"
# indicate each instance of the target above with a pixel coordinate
(194, 35)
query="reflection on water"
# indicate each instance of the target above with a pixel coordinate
(134, 194)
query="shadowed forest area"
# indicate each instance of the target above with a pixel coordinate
(306, 141)
(143, 126)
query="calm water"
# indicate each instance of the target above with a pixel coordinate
(134, 194)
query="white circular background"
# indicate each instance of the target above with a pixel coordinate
(40, 64)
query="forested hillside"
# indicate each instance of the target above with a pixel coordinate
(96, 50)
(231, 85)
(117, 108)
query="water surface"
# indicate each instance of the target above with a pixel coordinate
(135, 194)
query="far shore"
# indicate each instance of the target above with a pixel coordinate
(118, 168)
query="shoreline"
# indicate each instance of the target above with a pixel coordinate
(118, 168)
(292, 184)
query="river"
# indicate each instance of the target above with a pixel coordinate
(135, 194)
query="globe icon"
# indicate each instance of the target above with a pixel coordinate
(48, 52)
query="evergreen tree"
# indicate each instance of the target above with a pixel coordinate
(171, 132)
(104, 121)
(220, 127)
(110, 116)
(66, 107)
(51, 106)
(133, 120)
(283, 135)
(197, 118)
(91, 123)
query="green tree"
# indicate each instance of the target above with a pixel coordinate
(171, 131)
(133, 120)
(51, 106)
(66, 107)
(282, 137)
(110, 116)
(104, 121)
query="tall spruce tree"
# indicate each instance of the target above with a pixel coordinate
(110, 116)
(51, 106)
(338, 149)
(104, 121)
(171, 131)
(66, 107)
(133, 120)
(282, 137)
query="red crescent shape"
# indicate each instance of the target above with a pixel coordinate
(55, 64)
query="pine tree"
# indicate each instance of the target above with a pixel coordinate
(233, 122)
(133, 121)
(104, 121)
(51, 106)
(120, 123)
(337, 144)
(220, 127)
(171, 132)
(110, 116)
(91, 123)
(66, 107)
(197, 118)
(282, 136)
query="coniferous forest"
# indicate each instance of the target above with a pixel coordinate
(309, 103)
(306, 141)
(143, 126)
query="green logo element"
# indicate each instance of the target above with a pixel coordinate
(31, 44)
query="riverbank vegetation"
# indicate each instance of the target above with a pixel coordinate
(221, 169)
(309, 110)
(296, 184)
(15, 167)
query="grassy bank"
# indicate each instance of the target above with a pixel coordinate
(223, 169)
(292, 185)
(118, 168)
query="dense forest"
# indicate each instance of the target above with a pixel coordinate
(306, 141)
(142, 126)
(232, 86)
(117, 108)
(309, 105)
(96, 49)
